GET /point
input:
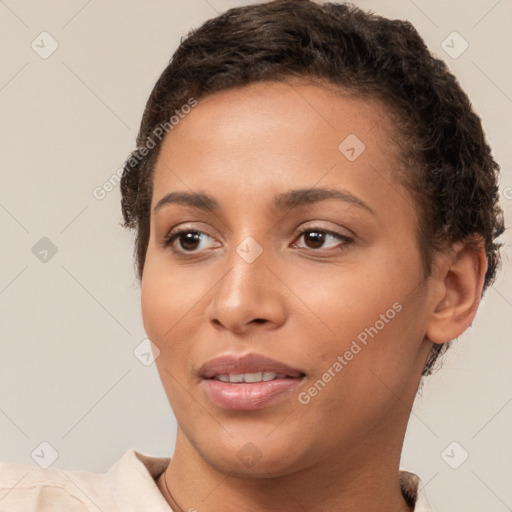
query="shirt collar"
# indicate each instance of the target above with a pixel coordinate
(132, 480)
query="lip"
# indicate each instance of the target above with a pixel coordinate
(245, 396)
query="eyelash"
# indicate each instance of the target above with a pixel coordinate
(175, 234)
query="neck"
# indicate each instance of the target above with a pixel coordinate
(350, 480)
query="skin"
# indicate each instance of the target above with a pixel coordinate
(301, 302)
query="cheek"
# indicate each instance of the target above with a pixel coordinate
(164, 299)
(166, 304)
(371, 316)
(173, 302)
(342, 300)
(156, 316)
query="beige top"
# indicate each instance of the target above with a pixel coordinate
(128, 486)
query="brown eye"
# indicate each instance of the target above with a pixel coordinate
(189, 240)
(186, 240)
(315, 238)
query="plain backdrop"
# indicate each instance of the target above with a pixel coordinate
(69, 299)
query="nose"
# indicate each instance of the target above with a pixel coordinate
(250, 296)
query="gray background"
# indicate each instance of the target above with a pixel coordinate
(70, 324)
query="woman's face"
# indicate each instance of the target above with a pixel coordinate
(329, 283)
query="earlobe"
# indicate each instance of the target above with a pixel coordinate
(458, 283)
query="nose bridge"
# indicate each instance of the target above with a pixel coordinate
(244, 281)
(248, 291)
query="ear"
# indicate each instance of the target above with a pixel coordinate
(458, 279)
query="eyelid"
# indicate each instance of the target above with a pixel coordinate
(337, 231)
(187, 228)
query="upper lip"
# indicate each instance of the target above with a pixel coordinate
(247, 363)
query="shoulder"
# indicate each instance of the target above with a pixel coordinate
(28, 488)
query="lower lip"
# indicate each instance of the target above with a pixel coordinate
(247, 396)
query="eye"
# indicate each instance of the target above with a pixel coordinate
(315, 238)
(190, 240)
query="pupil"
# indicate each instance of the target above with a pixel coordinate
(316, 238)
(190, 238)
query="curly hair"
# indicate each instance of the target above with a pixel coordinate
(448, 166)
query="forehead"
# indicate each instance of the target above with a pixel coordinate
(300, 106)
(269, 135)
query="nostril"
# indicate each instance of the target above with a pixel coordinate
(259, 320)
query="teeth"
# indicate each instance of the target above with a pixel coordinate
(250, 377)
(253, 377)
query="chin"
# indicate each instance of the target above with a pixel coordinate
(258, 459)
(262, 469)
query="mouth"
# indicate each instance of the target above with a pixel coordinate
(248, 382)
(250, 378)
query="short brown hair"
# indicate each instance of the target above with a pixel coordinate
(454, 178)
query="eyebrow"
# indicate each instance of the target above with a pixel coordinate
(286, 200)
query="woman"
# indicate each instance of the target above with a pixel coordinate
(315, 207)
